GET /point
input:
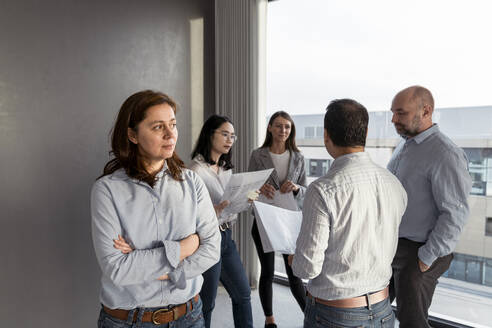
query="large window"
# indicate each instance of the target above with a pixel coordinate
(317, 167)
(471, 268)
(311, 132)
(322, 50)
(480, 167)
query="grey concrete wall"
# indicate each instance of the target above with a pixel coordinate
(65, 69)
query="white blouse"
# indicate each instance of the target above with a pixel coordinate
(281, 164)
(215, 183)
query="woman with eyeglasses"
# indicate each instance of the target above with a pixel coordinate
(153, 224)
(279, 151)
(212, 162)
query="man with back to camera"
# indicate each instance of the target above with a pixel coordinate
(433, 171)
(349, 229)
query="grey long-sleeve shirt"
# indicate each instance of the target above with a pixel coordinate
(153, 221)
(434, 172)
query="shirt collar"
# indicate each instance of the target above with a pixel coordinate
(164, 170)
(120, 174)
(201, 161)
(419, 138)
(345, 159)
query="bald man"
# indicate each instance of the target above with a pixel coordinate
(434, 173)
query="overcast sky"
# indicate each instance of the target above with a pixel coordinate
(319, 50)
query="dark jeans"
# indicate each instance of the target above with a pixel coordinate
(267, 261)
(412, 288)
(192, 319)
(379, 315)
(229, 270)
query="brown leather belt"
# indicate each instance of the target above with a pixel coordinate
(354, 302)
(157, 317)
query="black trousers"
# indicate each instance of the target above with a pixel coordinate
(412, 288)
(265, 289)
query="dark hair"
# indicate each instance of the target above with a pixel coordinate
(125, 153)
(346, 123)
(204, 142)
(290, 143)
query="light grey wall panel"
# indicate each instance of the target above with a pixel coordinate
(65, 69)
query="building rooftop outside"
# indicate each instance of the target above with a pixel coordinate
(456, 122)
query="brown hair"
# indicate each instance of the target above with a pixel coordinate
(290, 143)
(125, 153)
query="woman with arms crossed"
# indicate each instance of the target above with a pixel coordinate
(279, 151)
(212, 162)
(153, 225)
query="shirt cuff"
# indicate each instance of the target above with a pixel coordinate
(425, 256)
(173, 250)
(178, 277)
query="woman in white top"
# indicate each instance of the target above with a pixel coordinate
(212, 162)
(279, 151)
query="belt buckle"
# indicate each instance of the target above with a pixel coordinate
(175, 314)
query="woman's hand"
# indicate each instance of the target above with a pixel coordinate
(188, 246)
(163, 277)
(290, 258)
(267, 190)
(288, 186)
(122, 245)
(220, 207)
(253, 195)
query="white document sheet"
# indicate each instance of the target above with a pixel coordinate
(278, 227)
(239, 187)
(286, 200)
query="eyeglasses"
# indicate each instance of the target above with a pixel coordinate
(227, 135)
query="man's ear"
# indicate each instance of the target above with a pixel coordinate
(427, 111)
(328, 142)
(132, 136)
(325, 136)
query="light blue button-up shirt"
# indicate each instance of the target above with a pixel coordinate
(434, 172)
(153, 221)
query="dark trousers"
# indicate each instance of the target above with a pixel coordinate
(230, 271)
(265, 289)
(412, 288)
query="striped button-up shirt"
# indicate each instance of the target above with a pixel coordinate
(349, 229)
(153, 221)
(434, 172)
